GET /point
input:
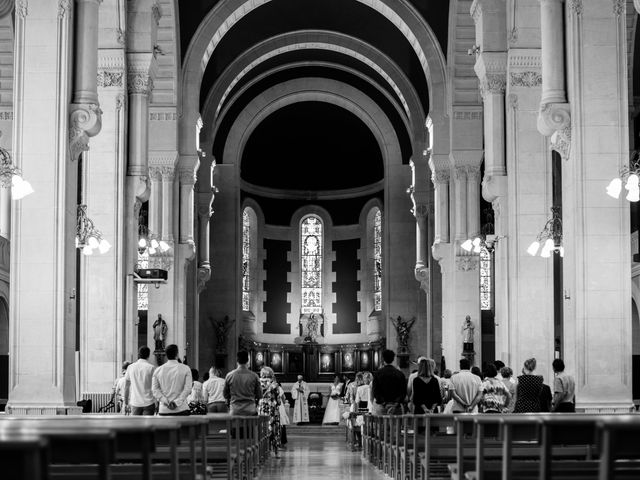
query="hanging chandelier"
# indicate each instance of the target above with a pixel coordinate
(148, 242)
(11, 176)
(88, 237)
(629, 176)
(486, 238)
(550, 238)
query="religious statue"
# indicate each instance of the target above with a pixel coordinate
(310, 328)
(221, 329)
(403, 328)
(467, 334)
(160, 332)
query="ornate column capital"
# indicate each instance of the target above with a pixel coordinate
(491, 70)
(460, 173)
(473, 173)
(422, 276)
(187, 177)
(142, 68)
(440, 177)
(155, 173)
(85, 121)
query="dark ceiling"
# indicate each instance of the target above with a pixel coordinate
(310, 145)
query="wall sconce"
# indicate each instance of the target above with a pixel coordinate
(629, 176)
(11, 176)
(550, 238)
(88, 237)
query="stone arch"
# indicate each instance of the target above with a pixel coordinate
(413, 130)
(226, 13)
(312, 89)
(321, 40)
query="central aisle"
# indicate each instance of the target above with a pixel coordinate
(321, 456)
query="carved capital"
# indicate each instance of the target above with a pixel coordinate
(467, 263)
(168, 173)
(440, 177)
(22, 8)
(494, 84)
(139, 82)
(460, 173)
(85, 121)
(155, 173)
(204, 275)
(473, 173)
(422, 276)
(187, 177)
(619, 7)
(576, 6)
(553, 116)
(64, 7)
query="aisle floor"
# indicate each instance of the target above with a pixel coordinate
(323, 457)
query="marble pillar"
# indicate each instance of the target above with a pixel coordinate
(42, 333)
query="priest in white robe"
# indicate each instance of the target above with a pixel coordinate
(300, 392)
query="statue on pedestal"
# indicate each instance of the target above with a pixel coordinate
(221, 329)
(159, 333)
(467, 335)
(403, 328)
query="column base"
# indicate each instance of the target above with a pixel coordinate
(39, 410)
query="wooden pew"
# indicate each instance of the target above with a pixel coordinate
(618, 447)
(24, 456)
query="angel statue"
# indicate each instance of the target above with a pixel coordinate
(403, 328)
(221, 329)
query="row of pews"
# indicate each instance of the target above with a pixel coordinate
(125, 447)
(515, 446)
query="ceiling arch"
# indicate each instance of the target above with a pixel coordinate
(225, 14)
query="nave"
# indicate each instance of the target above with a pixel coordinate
(318, 453)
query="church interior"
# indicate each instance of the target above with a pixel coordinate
(313, 182)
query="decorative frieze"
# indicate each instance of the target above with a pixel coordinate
(529, 59)
(8, 115)
(467, 263)
(108, 78)
(474, 115)
(163, 116)
(525, 79)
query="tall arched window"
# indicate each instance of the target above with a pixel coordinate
(486, 279)
(377, 261)
(311, 264)
(246, 260)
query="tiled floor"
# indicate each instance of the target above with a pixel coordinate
(323, 457)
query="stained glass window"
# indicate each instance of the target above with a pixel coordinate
(246, 260)
(143, 288)
(486, 278)
(311, 264)
(377, 261)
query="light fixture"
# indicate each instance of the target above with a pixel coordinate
(11, 176)
(629, 176)
(148, 241)
(486, 238)
(550, 237)
(88, 237)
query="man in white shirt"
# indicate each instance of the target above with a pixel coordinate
(138, 397)
(465, 387)
(118, 389)
(171, 384)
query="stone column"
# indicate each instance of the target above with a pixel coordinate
(155, 200)
(141, 67)
(187, 182)
(473, 201)
(85, 113)
(166, 229)
(597, 282)
(460, 203)
(42, 322)
(440, 179)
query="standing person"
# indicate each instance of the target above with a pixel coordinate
(171, 385)
(269, 405)
(389, 387)
(138, 397)
(465, 387)
(300, 392)
(528, 389)
(195, 399)
(351, 390)
(242, 387)
(332, 412)
(425, 394)
(493, 396)
(119, 387)
(213, 392)
(284, 417)
(564, 389)
(507, 377)
(412, 377)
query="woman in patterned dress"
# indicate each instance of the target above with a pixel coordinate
(528, 389)
(269, 405)
(493, 396)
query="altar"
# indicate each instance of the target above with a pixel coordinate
(317, 363)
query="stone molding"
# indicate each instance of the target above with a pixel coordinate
(467, 263)
(163, 116)
(111, 59)
(473, 115)
(85, 121)
(108, 78)
(527, 79)
(525, 58)
(163, 158)
(561, 142)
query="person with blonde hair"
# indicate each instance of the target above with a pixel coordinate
(425, 392)
(213, 392)
(528, 389)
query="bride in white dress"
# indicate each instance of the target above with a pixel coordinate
(332, 412)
